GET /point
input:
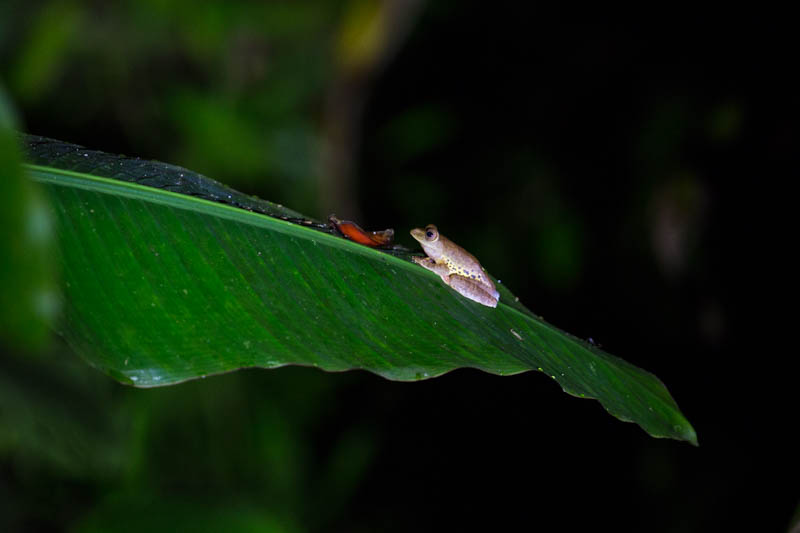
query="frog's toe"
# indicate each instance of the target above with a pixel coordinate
(425, 262)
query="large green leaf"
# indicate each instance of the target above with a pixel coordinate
(162, 285)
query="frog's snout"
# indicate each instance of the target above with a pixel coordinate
(418, 233)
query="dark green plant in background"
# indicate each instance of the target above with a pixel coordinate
(262, 95)
(28, 301)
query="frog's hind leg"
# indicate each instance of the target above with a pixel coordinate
(475, 291)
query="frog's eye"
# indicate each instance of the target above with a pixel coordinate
(431, 233)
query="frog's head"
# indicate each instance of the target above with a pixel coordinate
(428, 237)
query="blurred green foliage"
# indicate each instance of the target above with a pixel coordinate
(230, 89)
(235, 450)
(28, 301)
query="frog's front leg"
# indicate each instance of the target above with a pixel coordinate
(474, 290)
(433, 266)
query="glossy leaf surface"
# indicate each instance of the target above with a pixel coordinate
(161, 287)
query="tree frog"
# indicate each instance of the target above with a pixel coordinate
(457, 267)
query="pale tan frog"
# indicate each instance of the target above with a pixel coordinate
(457, 267)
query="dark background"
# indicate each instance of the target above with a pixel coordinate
(606, 165)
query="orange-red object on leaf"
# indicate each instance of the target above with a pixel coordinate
(353, 231)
